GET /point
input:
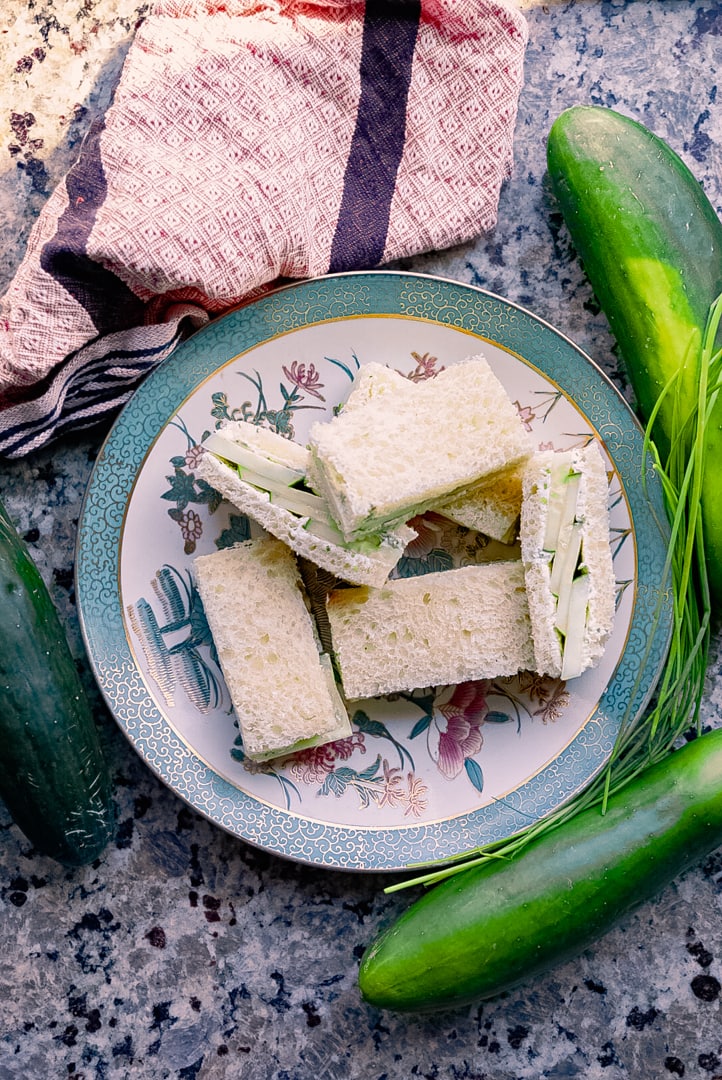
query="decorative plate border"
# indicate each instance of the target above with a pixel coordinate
(158, 399)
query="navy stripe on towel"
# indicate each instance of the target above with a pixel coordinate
(389, 39)
(108, 301)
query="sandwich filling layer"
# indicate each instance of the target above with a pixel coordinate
(564, 536)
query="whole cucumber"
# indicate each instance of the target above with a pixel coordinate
(54, 779)
(650, 243)
(497, 924)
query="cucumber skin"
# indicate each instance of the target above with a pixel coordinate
(53, 777)
(489, 928)
(650, 243)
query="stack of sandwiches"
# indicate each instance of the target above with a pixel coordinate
(454, 444)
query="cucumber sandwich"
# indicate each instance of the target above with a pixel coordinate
(455, 444)
(398, 448)
(263, 474)
(550, 612)
(281, 685)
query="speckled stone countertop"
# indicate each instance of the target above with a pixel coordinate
(185, 953)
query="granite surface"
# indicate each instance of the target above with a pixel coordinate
(184, 953)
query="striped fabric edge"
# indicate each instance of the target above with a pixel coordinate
(92, 384)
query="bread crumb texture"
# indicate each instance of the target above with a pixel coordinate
(441, 628)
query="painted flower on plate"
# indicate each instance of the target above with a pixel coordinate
(429, 529)
(392, 793)
(526, 415)
(416, 796)
(426, 367)
(313, 765)
(455, 733)
(305, 378)
(193, 455)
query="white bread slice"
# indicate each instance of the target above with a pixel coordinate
(373, 381)
(413, 443)
(282, 688)
(437, 629)
(595, 558)
(492, 507)
(370, 566)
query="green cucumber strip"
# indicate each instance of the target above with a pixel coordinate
(573, 656)
(564, 568)
(272, 445)
(570, 491)
(278, 481)
(266, 443)
(562, 504)
(252, 462)
(563, 541)
(303, 503)
(324, 529)
(273, 477)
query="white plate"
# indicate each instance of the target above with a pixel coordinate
(425, 776)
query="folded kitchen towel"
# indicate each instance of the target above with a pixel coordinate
(251, 142)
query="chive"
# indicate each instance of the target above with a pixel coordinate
(678, 698)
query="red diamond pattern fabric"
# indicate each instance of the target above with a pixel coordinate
(250, 141)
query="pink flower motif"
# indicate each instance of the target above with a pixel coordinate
(429, 529)
(313, 765)
(425, 367)
(305, 378)
(191, 528)
(463, 715)
(193, 456)
(416, 801)
(526, 414)
(392, 792)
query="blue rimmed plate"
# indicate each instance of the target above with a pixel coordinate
(425, 775)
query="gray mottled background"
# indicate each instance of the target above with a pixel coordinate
(187, 954)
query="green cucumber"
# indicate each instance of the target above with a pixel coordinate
(499, 923)
(54, 780)
(651, 245)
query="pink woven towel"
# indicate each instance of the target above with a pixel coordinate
(252, 140)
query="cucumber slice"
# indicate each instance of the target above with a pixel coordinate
(251, 453)
(253, 463)
(564, 569)
(573, 655)
(271, 445)
(303, 503)
(562, 504)
(324, 529)
(274, 477)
